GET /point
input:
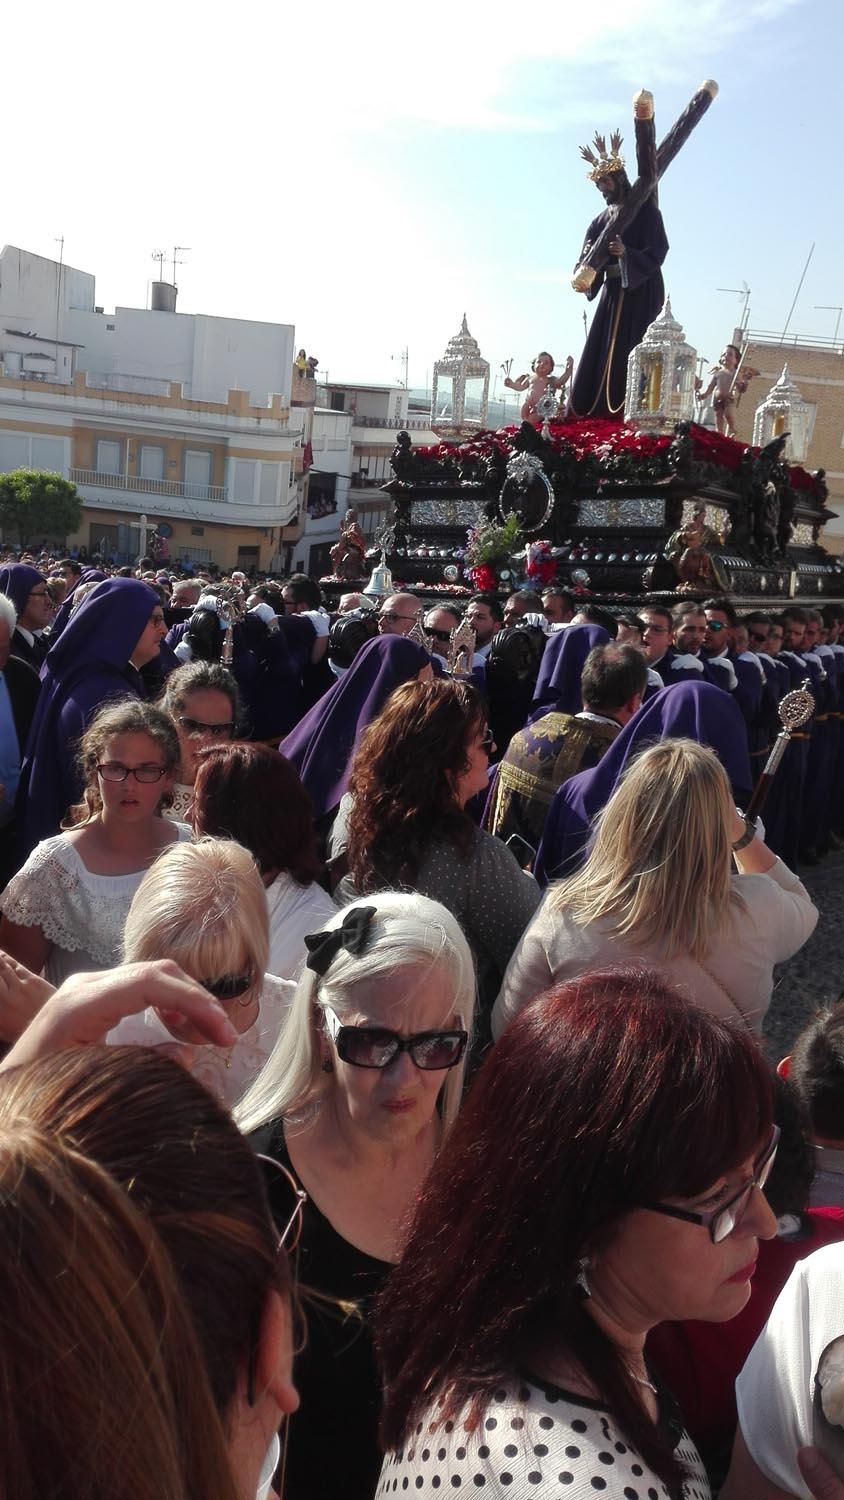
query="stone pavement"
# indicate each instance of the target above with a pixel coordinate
(815, 975)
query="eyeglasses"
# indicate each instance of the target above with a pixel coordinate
(715, 626)
(390, 614)
(759, 637)
(376, 1047)
(439, 635)
(112, 770)
(282, 1185)
(722, 1221)
(230, 987)
(196, 727)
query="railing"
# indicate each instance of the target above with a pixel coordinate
(794, 341)
(396, 424)
(137, 484)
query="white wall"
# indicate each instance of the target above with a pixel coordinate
(209, 356)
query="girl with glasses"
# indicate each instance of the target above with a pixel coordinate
(203, 701)
(66, 909)
(362, 1088)
(626, 1189)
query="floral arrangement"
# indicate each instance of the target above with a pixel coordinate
(489, 544)
(621, 450)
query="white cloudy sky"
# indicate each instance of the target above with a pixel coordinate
(368, 173)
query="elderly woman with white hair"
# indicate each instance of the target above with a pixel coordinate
(361, 1088)
(204, 906)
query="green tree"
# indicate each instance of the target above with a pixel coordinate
(35, 504)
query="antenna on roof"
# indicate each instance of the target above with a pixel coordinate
(159, 256)
(176, 262)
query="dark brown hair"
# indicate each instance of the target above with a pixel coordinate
(254, 795)
(603, 1094)
(401, 781)
(102, 1391)
(185, 1165)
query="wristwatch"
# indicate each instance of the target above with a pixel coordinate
(747, 837)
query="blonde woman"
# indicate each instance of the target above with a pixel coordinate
(205, 908)
(355, 1100)
(678, 879)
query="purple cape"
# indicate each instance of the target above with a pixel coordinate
(689, 710)
(321, 745)
(88, 664)
(88, 575)
(558, 684)
(17, 582)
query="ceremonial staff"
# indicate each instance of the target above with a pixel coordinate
(795, 710)
(646, 183)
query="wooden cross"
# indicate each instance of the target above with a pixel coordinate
(651, 163)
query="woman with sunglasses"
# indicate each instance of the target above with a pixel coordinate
(204, 907)
(624, 1190)
(203, 701)
(355, 1101)
(66, 909)
(405, 825)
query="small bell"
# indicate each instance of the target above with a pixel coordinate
(380, 581)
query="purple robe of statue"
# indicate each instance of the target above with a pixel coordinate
(631, 296)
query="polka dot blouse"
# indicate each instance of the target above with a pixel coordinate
(533, 1441)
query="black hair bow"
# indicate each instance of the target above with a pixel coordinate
(352, 934)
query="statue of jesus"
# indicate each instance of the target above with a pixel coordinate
(630, 287)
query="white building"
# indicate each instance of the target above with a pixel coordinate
(182, 417)
(379, 413)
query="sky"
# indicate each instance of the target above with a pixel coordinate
(370, 172)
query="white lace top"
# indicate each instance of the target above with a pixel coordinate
(81, 914)
(182, 799)
(226, 1072)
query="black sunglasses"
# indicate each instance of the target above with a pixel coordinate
(439, 635)
(196, 726)
(376, 1047)
(230, 987)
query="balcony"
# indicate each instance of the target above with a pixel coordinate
(178, 489)
(394, 424)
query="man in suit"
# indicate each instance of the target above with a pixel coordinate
(26, 588)
(19, 688)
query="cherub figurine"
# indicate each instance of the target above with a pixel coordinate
(728, 386)
(541, 386)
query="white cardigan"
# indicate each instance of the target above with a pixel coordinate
(779, 917)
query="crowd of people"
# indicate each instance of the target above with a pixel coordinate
(385, 1103)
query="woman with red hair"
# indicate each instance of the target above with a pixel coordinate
(624, 1190)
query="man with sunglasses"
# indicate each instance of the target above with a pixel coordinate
(398, 614)
(439, 623)
(719, 643)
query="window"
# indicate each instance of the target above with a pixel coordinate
(108, 457)
(19, 450)
(268, 484)
(14, 451)
(197, 473)
(151, 462)
(243, 480)
(338, 400)
(322, 490)
(197, 531)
